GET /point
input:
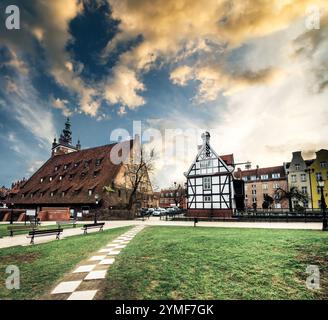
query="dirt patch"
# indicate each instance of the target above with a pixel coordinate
(21, 258)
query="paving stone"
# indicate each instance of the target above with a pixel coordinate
(120, 246)
(66, 287)
(83, 295)
(97, 258)
(105, 250)
(86, 268)
(114, 252)
(95, 275)
(107, 261)
(111, 245)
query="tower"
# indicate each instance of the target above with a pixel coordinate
(64, 144)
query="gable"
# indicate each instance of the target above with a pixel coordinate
(208, 162)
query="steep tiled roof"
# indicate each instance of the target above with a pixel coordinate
(261, 171)
(228, 159)
(74, 173)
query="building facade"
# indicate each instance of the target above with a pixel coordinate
(298, 176)
(318, 169)
(260, 182)
(210, 191)
(82, 181)
(173, 197)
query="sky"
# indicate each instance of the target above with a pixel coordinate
(252, 73)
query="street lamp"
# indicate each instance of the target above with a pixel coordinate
(97, 202)
(321, 185)
(12, 214)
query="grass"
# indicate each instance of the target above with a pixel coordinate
(219, 263)
(43, 264)
(4, 232)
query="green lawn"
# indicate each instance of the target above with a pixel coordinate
(218, 263)
(4, 232)
(43, 264)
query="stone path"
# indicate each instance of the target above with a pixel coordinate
(83, 283)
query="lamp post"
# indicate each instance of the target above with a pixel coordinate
(97, 202)
(321, 185)
(12, 214)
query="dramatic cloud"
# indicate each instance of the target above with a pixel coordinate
(61, 105)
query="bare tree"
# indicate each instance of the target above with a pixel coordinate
(137, 172)
(292, 194)
(178, 193)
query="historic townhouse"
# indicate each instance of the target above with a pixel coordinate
(318, 169)
(210, 189)
(299, 177)
(260, 182)
(81, 181)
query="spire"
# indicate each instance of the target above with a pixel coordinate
(78, 145)
(66, 135)
(206, 137)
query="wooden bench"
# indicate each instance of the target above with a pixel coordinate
(12, 228)
(93, 225)
(66, 223)
(41, 233)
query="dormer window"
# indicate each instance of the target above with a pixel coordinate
(96, 173)
(98, 162)
(76, 164)
(63, 194)
(41, 180)
(41, 194)
(90, 192)
(52, 194)
(50, 179)
(60, 178)
(83, 174)
(87, 163)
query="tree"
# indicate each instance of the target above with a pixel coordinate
(268, 201)
(292, 194)
(137, 172)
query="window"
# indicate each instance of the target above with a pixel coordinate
(60, 178)
(323, 164)
(83, 174)
(90, 192)
(253, 186)
(264, 176)
(56, 168)
(207, 198)
(297, 167)
(98, 162)
(41, 180)
(254, 192)
(318, 190)
(254, 199)
(63, 194)
(303, 177)
(304, 190)
(253, 178)
(76, 164)
(205, 163)
(294, 178)
(276, 186)
(275, 175)
(71, 176)
(318, 176)
(265, 186)
(119, 193)
(52, 194)
(65, 166)
(41, 194)
(245, 178)
(50, 179)
(207, 184)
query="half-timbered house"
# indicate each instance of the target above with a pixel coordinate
(210, 191)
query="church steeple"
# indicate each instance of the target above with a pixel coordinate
(64, 144)
(66, 136)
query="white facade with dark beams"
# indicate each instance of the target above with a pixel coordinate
(210, 183)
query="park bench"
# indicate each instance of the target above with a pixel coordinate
(93, 225)
(12, 228)
(41, 233)
(66, 223)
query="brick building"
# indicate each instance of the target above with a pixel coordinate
(81, 181)
(173, 197)
(263, 181)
